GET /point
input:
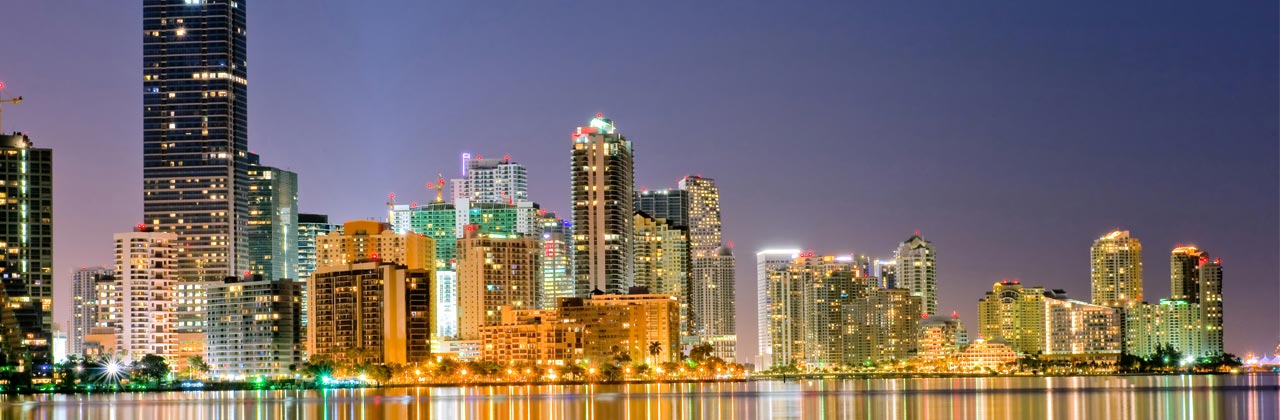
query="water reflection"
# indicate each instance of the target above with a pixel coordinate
(1170, 397)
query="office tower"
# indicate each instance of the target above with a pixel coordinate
(195, 136)
(915, 270)
(628, 323)
(556, 265)
(1014, 315)
(145, 280)
(439, 222)
(273, 221)
(519, 218)
(1080, 328)
(886, 271)
(311, 226)
(1116, 270)
(84, 305)
(941, 337)
(26, 184)
(1184, 273)
(776, 298)
(883, 326)
(1210, 289)
(498, 181)
(371, 311)
(603, 179)
(368, 240)
(661, 252)
(494, 270)
(255, 328)
(669, 204)
(703, 215)
(446, 304)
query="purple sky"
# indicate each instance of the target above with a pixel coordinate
(1010, 133)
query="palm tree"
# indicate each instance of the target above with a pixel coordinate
(655, 349)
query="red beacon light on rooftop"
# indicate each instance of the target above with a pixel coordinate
(599, 115)
(954, 315)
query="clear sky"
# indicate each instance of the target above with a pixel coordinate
(1009, 133)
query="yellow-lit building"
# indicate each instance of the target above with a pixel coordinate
(1116, 270)
(986, 355)
(1013, 314)
(370, 312)
(494, 271)
(368, 240)
(531, 336)
(631, 323)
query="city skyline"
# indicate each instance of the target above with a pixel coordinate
(1019, 213)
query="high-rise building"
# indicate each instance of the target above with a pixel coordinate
(556, 265)
(882, 327)
(255, 327)
(703, 215)
(195, 135)
(669, 204)
(371, 311)
(368, 240)
(1184, 273)
(776, 300)
(1014, 315)
(603, 179)
(446, 304)
(494, 271)
(438, 221)
(886, 271)
(399, 216)
(534, 336)
(498, 181)
(915, 270)
(311, 226)
(144, 300)
(520, 217)
(712, 301)
(1210, 289)
(26, 235)
(1116, 270)
(84, 305)
(273, 221)
(662, 252)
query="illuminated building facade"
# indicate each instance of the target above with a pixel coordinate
(661, 256)
(941, 337)
(777, 305)
(1013, 314)
(1080, 328)
(496, 181)
(536, 337)
(1116, 270)
(26, 266)
(1184, 273)
(273, 221)
(84, 305)
(438, 221)
(494, 271)
(519, 218)
(367, 240)
(381, 308)
(603, 180)
(144, 301)
(1210, 290)
(311, 226)
(915, 270)
(627, 323)
(669, 204)
(446, 304)
(255, 328)
(556, 265)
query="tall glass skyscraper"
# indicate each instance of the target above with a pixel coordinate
(603, 179)
(273, 221)
(195, 134)
(26, 237)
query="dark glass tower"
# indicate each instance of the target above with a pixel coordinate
(195, 139)
(26, 239)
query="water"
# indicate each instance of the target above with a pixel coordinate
(1162, 397)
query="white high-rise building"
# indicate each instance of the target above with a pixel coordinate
(492, 181)
(145, 276)
(915, 270)
(771, 269)
(84, 305)
(446, 304)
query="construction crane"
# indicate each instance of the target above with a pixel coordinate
(13, 101)
(438, 186)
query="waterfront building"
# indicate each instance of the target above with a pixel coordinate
(1013, 314)
(629, 323)
(535, 337)
(603, 181)
(494, 271)
(1080, 328)
(273, 221)
(311, 226)
(1184, 273)
(84, 304)
(1210, 290)
(1116, 270)
(446, 304)
(144, 302)
(941, 337)
(915, 270)
(26, 237)
(884, 325)
(661, 252)
(371, 311)
(255, 328)
(985, 355)
(195, 139)
(777, 303)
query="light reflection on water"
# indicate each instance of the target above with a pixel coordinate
(1168, 397)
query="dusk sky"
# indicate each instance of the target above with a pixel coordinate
(1011, 134)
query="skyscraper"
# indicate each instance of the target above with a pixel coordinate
(255, 327)
(84, 305)
(556, 265)
(309, 227)
(603, 179)
(145, 302)
(381, 307)
(492, 181)
(26, 235)
(712, 301)
(774, 302)
(661, 256)
(273, 221)
(494, 271)
(1184, 273)
(703, 215)
(1116, 270)
(915, 270)
(1210, 276)
(669, 204)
